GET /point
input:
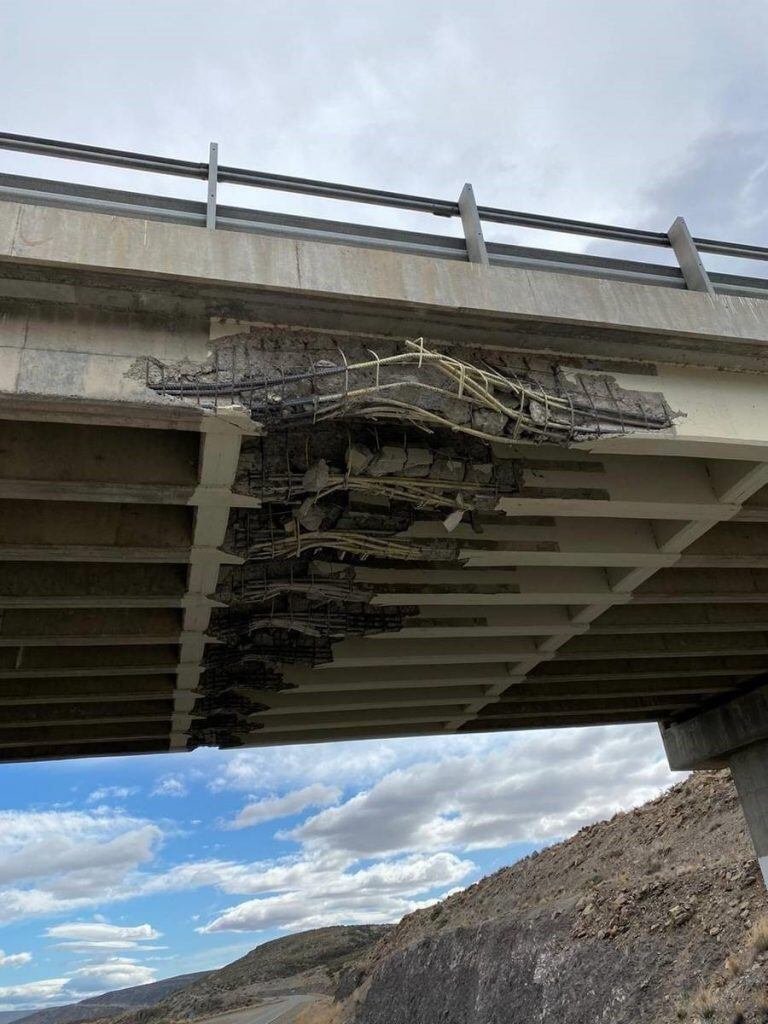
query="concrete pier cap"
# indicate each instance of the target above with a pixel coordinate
(734, 735)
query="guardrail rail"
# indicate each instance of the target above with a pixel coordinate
(473, 247)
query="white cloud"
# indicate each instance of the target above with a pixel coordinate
(31, 993)
(469, 793)
(346, 763)
(98, 935)
(170, 785)
(55, 862)
(529, 788)
(397, 841)
(115, 973)
(92, 979)
(14, 959)
(272, 807)
(111, 793)
(381, 892)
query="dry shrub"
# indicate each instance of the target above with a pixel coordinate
(704, 1004)
(324, 1011)
(758, 936)
(734, 965)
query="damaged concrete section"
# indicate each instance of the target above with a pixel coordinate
(297, 378)
(368, 460)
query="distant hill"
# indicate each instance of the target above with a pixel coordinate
(110, 1004)
(307, 962)
(6, 1016)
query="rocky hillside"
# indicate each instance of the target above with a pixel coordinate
(656, 916)
(311, 961)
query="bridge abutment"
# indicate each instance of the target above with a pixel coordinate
(734, 735)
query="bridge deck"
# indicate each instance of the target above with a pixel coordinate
(620, 576)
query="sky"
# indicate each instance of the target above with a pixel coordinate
(115, 872)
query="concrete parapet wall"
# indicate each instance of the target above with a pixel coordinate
(44, 236)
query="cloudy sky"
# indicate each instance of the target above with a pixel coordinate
(116, 872)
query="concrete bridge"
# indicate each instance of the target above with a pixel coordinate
(273, 480)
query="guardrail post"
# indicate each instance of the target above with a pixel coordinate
(213, 178)
(473, 228)
(694, 271)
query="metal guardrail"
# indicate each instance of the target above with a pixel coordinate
(690, 272)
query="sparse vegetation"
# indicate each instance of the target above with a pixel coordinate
(758, 936)
(704, 1004)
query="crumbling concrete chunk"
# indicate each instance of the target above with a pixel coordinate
(359, 457)
(317, 476)
(480, 473)
(444, 468)
(388, 461)
(488, 421)
(310, 515)
(418, 462)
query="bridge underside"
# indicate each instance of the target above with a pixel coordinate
(263, 573)
(221, 528)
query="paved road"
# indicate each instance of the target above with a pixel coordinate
(275, 1012)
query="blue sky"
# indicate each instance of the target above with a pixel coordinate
(120, 871)
(114, 872)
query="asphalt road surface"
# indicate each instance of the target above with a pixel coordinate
(278, 1012)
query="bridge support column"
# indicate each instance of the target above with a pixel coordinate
(733, 735)
(750, 773)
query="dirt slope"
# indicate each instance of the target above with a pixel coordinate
(650, 917)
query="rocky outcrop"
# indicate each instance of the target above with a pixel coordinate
(654, 917)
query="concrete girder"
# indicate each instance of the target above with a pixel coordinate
(85, 735)
(343, 720)
(502, 679)
(119, 526)
(369, 652)
(378, 651)
(351, 700)
(611, 543)
(80, 581)
(665, 645)
(110, 456)
(102, 639)
(640, 487)
(71, 660)
(217, 468)
(98, 672)
(105, 553)
(596, 689)
(304, 712)
(662, 704)
(97, 748)
(622, 667)
(309, 680)
(86, 689)
(107, 713)
(151, 494)
(371, 729)
(20, 626)
(731, 485)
